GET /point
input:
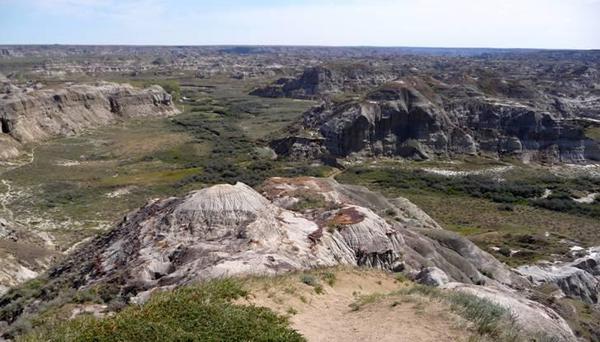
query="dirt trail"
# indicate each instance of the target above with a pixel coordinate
(335, 173)
(329, 317)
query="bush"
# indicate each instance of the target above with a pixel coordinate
(198, 313)
(524, 191)
(506, 207)
(309, 280)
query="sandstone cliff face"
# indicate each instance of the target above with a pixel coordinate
(409, 118)
(293, 224)
(39, 114)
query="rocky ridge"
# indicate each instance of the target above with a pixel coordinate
(316, 82)
(295, 224)
(29, 115)
(423, 117)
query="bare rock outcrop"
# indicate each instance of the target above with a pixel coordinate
(230, 230)
(316, 82)
(32, 115)
(541, 322)
(578, 279)
(291, 224)
(423, 117)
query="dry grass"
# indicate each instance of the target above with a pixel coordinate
(357, 304)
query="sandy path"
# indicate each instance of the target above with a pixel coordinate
(329, 317)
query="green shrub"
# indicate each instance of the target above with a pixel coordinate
(307, 200)
(309, 280)
(319, 289)
(198, 313)
(506, 207)
(524, 191)
(401, 277)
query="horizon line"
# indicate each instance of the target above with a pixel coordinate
(300, 46)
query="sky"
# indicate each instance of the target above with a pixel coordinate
(566, 24)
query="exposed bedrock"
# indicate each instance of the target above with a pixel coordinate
(316, 82)
(229, 230)
(34, 115)
(23, 254)
(423, 118)
(577, 279)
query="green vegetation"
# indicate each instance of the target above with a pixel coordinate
(593, 133)
(485, 314)
(312, 281)
(329, 277)
(489, 319)
(510, 214)
(308, 200)
(233, 157)
(513, 191)
(309, 280)
(199, 313)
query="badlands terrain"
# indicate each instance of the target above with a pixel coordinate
(299, 193)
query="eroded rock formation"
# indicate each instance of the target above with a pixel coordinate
(28, 115)
(292, 224)
(424, 117)
(318, 81)
(577, 279)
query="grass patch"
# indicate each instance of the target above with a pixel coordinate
(308, 200)
(149, 178)
(329, 277)
(593, 133)
(489, 319)
(309, 280)
(366, 300)
(199, 313)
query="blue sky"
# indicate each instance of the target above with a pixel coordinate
(450, 23)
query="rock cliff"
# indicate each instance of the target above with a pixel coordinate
(29, 115)
(419, 119)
